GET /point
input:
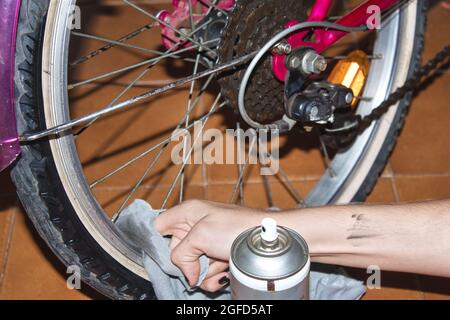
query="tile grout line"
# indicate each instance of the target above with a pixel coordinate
(423, 175)
(390, 175)
(7, 246)
(419, 285)
(388, 171)
(3, 244)
(394, 183)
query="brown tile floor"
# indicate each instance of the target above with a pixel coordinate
(418, 170)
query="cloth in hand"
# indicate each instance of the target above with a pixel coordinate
(137, 223)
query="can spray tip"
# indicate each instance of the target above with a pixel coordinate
(269, 231)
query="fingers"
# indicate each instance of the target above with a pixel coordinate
(186, 257)
(174, 242)
(167, 223)
(216, 278)
(216, 267)
(180, 217)
(216, 282)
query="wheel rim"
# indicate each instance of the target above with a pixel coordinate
(329, 189)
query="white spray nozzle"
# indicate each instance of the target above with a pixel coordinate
(269, 230)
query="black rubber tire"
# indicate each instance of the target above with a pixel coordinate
(402, 111)
(40, 189)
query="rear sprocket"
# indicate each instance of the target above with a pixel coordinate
(250, 25)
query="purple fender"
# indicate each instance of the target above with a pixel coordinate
(9, 139)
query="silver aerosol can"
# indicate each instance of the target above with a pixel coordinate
(269, 262)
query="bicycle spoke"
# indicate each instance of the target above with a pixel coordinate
(191, 16)
(239, 159)
(186, 37)
(143, 154)
(364, 98)
(140, 181)
(284, 179)
(110, 41)
(105, 48)
(147, 171)
(136, 99)
(126, 45)
(150, 150)
(182, 34)
(237, 186)
(212, 5)
(205, 181)
(117, 98)
(289, 186)
(133, 66)
(370, 57)
(126, 90)
(191, 91)
(324, 149)
(268, 190)
(214, 108)
(167, 54)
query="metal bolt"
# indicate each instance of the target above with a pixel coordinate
(349, 98)
(313, 63)
(314, 112)
(294, 62)
(282, 47)
(320, 64)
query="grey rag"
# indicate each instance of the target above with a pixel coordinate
(169, 283)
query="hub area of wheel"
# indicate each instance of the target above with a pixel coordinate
(250, 25)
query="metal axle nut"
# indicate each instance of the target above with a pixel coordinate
(308, 62)
(313, 63)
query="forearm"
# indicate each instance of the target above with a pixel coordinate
(409, 238)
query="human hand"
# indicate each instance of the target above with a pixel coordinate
(205, 228)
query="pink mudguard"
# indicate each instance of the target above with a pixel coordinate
(9, 140)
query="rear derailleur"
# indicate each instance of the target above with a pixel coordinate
(321, 104)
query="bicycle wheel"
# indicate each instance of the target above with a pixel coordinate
(62, 181)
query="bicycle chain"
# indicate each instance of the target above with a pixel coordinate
(250, 25)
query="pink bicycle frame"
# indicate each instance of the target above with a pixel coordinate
(325, 38)
(9, 10)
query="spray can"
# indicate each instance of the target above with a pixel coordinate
(269, 262)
